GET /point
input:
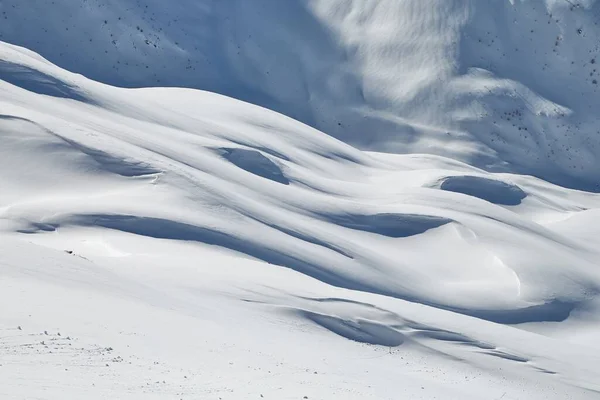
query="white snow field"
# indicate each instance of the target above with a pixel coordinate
(173, 243)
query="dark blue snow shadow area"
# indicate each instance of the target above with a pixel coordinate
(360, 331)
(256, 163)
(427, 332)
(38, 82)
(37, 227)
(491, 190)
(552, 311)
(431, 333)
(387, 224)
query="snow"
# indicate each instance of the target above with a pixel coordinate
(169, 242)
(494, 191)
(504, 85)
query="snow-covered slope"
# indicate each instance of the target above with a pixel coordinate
(505, 85)
(174, 243)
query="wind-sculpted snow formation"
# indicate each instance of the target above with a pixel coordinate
(176, 243)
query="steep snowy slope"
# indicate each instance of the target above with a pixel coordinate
(505, 85)
(174, 243)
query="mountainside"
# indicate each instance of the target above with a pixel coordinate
(157, 212)
(163, 242)
(504, 85)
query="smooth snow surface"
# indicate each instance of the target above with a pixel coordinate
(171, 243)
